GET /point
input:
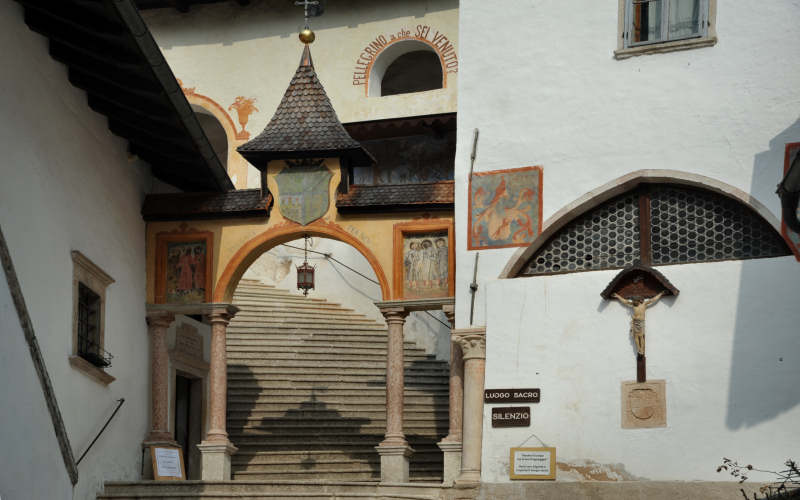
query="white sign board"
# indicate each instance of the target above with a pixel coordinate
(168, 463)
(533, 463)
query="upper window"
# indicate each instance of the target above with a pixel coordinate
(413, 72)
(404, 67)
(657, 225)
(89, 284)
(662, 25)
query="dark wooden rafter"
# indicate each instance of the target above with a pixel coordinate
(111, 55)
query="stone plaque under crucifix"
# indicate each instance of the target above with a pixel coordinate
(644, 402)
(639, 287)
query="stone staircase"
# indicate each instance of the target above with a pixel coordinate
(307, 395)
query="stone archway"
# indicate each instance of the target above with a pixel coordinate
(251, 250)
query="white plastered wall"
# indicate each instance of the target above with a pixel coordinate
(67, 184)
(540, 82)
(225, 50)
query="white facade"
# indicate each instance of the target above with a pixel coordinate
(67, 184)
(541, 83)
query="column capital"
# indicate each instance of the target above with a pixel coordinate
(221, 313)
(472, 342)
(393, 313)
(449, 310)
(159, 318)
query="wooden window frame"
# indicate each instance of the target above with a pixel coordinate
(85, 272)
(626, 48)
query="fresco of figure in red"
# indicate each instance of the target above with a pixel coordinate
(505, 208)
(186, 272)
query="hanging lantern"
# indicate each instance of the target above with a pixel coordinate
(305, 273)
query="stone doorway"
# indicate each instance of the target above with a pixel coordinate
(188, 420)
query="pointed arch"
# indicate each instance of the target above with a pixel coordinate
(250, 251)
(625, 184)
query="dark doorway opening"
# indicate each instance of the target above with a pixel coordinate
(189, 421)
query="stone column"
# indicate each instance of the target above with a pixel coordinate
(394, 449)
(216, 449)
(473, 346)
(158, 323)
(451, 444)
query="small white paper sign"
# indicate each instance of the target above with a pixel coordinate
(168, 462)
(532, 463)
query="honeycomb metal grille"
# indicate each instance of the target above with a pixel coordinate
(689, 225)
(605, 238)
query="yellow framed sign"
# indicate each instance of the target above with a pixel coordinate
(167, 463)
(533, 463)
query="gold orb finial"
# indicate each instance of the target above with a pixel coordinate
(307, 36)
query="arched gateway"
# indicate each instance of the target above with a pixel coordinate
(200, 245)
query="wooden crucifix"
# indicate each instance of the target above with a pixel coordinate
(639, 287)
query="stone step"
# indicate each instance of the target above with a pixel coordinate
(310, 355)
(244, 299)
(274, 488)
(342, 342)
(332, 327)
(270, 386)
(341, 475)
(331, 392)
(308, 322)
(256, 397)
(301, 435)
(341, 408)
(255, 316)
(327, 456)
(265, 361)
(341, 338)
(376, 373)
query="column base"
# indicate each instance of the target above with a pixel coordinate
(147, 456)
(216, 460)
(394, 462)
(468, 479)
(452, 460)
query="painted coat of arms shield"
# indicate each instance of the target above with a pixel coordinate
(303, 192)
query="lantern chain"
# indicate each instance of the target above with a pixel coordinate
(331, 257)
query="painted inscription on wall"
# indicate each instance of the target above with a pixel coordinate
(423, 33)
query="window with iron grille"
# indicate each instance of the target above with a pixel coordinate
(88, 324)
(658, 225)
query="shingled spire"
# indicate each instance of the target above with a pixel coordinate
(304, 125)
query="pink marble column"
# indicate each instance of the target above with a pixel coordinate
(473, 346)
(451, 444)
(394, 449)
(218, 377)
(216, 449)
(157, 324)
(456, 383)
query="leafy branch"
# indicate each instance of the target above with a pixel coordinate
(785, 486)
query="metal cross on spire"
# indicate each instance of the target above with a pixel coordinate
(306, 4)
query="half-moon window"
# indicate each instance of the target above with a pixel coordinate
(658, 225)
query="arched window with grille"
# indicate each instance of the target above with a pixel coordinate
(657, 224)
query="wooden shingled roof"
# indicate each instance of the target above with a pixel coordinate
(305, 125)
(403, 197)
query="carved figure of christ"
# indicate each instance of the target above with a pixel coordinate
(637, 320)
